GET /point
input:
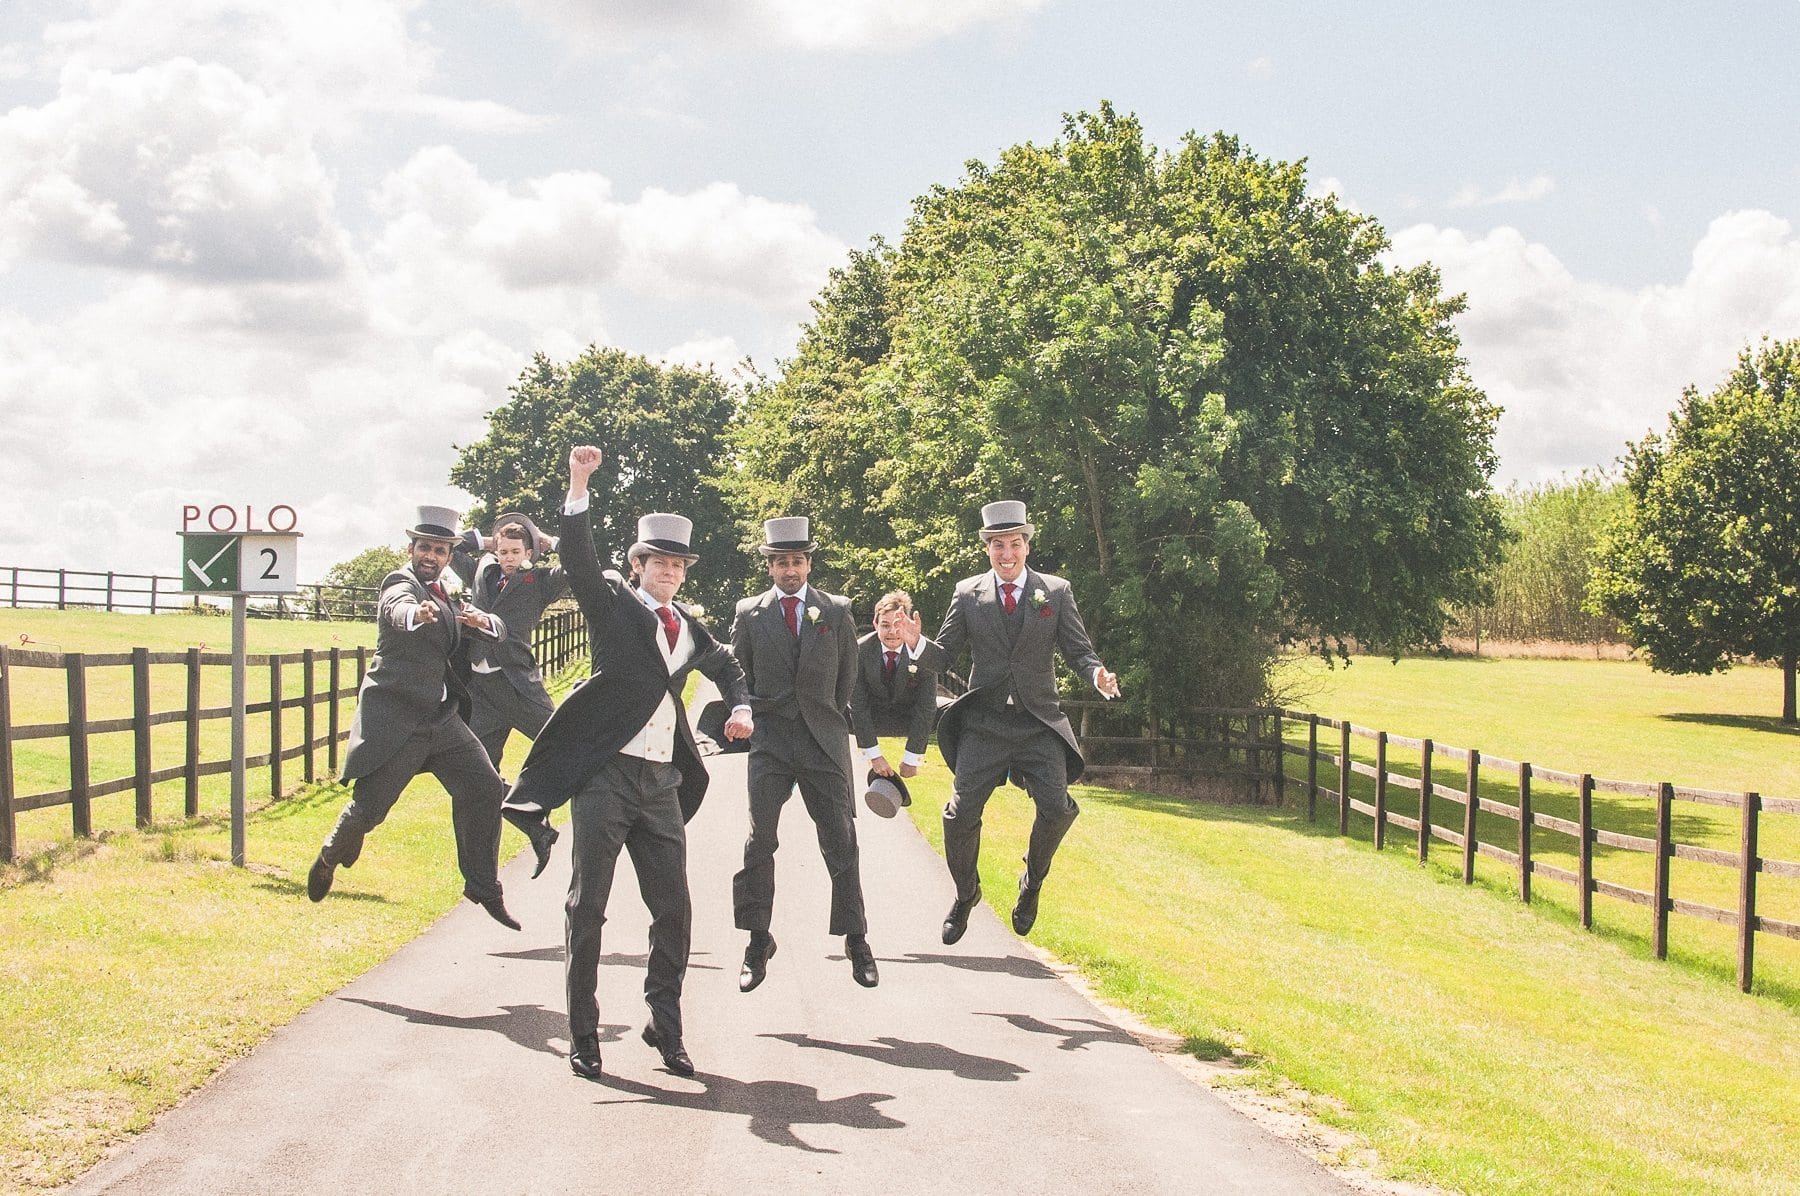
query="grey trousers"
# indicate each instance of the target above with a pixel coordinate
(996, 742)
(782, 757)
(448, 750)
(629, 803)
(497, 709)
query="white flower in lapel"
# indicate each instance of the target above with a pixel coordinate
(812, 614)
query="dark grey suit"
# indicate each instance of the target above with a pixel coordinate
(506, 687)
(800, 689)
(1009, 721)
(903, 704)
(406, 723)
(619, 800)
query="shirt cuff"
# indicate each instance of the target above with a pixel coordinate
(872, 753)
(412, 619)
(912, 758)
(740, 710)
(575, 506)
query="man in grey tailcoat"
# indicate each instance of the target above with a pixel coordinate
(407, 722)
(620, 752)
(797, 646)
(506, 687)
(1012, 620)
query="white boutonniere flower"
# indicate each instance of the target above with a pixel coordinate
(912, 668)
(1039, 599)
(812, 614)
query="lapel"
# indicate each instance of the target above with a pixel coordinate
(1030, 620)
(987, 608)
(445, 612)
(773, 622)
(809, 630)
(652, 626)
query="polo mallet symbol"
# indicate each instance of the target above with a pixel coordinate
(200, 570)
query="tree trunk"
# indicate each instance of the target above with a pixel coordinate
(1787, 685)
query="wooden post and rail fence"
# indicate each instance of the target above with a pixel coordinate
(329, 679)
(75, 589)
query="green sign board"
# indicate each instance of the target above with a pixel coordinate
(209, 564)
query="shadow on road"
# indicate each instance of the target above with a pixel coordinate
(555, 955)
(1072, 1040)
(920, 1056)
(774, 1107)
(1009, 965)
(530, 1026)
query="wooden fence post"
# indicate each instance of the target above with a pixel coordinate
(1747, 869)
(109, 591)
(362, 665)
(1380, 789)
(153, 580)
(8, 824)
(81, 816)
(308, 720)
(331, 713)
(191, 777)
(274, 724)
(1280, 759)
(1659, 911)
(62, 589)
(1425, 802)
(1584, 867)
(1344, 776)
(1470, 814)
(1525, 832)
(140, 732)
(1312, 767)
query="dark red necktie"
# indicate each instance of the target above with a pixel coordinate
(501, 588)
(437, 591)
(671, 629)
(893, 659)
(1006, 597)
(788, 606)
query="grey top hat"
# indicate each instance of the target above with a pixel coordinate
(885, 795)
(434, 523)
(790, 534)
(665, 534)
(531, 529)
(1007, 515)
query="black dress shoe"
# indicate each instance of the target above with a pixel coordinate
(496, 908)
(957, 920)
(584, 1058)
(862, 960)
(318, 878)
(1024, 914)
(673, 1056)
(756, 959)
(537, 829)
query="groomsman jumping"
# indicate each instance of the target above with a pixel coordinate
(1012, 620)
(797, 646)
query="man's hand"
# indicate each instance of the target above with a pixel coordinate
(909, 770)
(584, 459)
(477, 620)
(1106, 682)
(543, 544)
(880, 767)
(427, 615)
(911, 629)
(738, 726)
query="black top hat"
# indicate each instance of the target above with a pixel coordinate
(791, 533)
(434, 523)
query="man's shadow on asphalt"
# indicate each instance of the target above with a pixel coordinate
(530, 1026)
(919, 1056)
(774, 1107)
(617, 959)
(1006, 965)
(1072, 1040)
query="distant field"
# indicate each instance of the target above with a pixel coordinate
(1614, 719)
(41, 696)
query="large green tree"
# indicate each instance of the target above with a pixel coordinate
(1703, 567)
(662, 430)
(1233, 422)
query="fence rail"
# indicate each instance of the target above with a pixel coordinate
(66, 589)
(325, 686)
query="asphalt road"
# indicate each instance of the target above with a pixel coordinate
(971, 1068)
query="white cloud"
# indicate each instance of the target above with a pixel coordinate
(1514, 191)
(1582, 367)
(603, 25)
(176, 167)
(720, 354)
(1261, 68)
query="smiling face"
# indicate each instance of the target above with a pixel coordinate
(1007, 552)
(429, 558)
(790, 571)
(660, 576)
(511, 548)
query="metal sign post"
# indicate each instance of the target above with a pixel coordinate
(227, 550)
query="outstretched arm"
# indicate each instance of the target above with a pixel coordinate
(580, 559)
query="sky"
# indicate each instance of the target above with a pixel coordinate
(261, 252)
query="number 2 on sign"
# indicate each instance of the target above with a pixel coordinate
(269, 570)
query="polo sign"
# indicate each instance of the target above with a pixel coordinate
(234, 550)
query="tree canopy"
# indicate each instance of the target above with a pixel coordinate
(662, 431)
(1703, 566)
(1234, 424)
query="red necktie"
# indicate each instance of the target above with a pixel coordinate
(887, 670)
(788, 606)
(501, 588)
(671, 629)
(1006, 597)
(437, 591)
